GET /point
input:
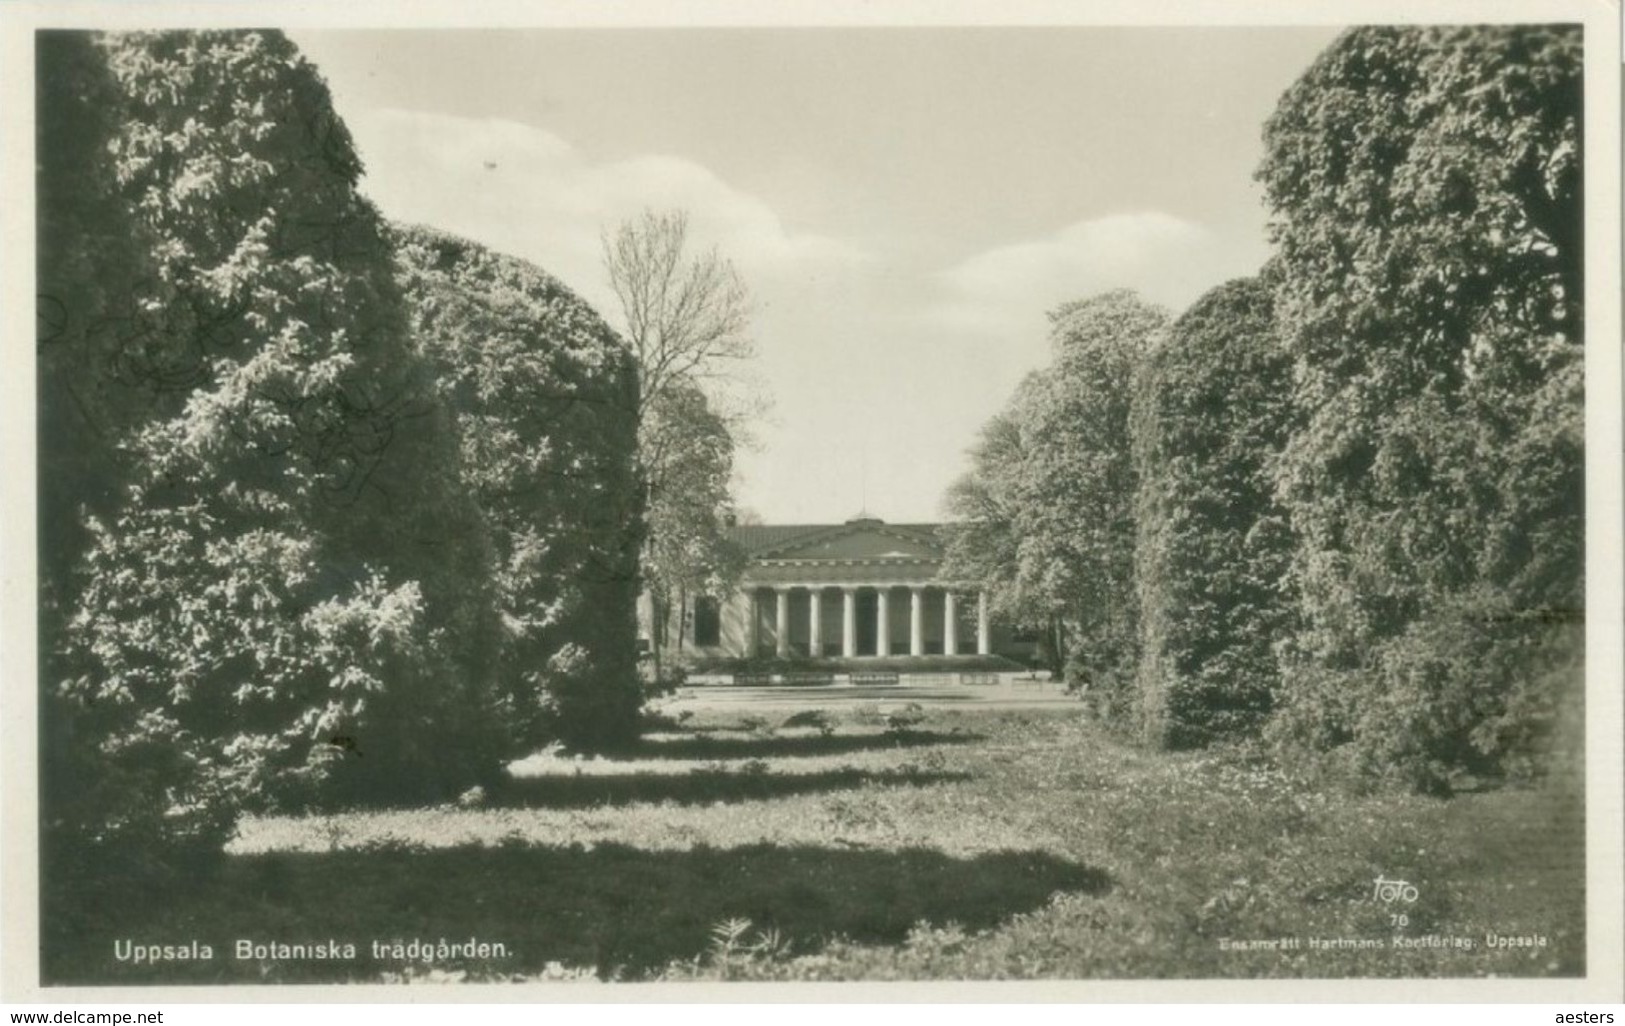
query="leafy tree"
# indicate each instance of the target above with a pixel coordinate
(1211, 409)
(689, 552)
(1426, 186)
(983, 543)
(1076, 497)
(543, 394)
(1047, 512)
(279, 578)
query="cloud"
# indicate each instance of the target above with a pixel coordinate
(528, 192)
(1165, 258)
(525, 191)
(880, 363)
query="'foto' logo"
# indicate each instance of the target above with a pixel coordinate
(1390, 891)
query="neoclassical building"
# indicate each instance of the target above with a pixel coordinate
(862, 588)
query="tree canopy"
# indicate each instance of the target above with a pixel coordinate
(1212, 408)
(1345, 507)
(331, 509)
(543, 394)
(278, 520)
(1426, 193)
(1047, 508)
(689, 551)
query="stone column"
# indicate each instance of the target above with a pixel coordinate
(849, 622)
(882, 621)
(753, 624)
(916, 621)
(950, 624)
(984, 641)
(781, 640)
(815, 622)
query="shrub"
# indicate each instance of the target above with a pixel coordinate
(666, 681)
(905, 719)
(817, 719)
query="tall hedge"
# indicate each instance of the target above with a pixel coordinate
(91, 252)
(1212, 408)
(1075, 498)
(272, 575)
(1426, 194)
(543, 393)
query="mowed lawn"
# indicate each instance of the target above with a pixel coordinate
(973, 843)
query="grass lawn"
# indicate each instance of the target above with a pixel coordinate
(978, 844)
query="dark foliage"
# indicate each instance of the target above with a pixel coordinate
(262, 569)
(1212, 408)
(1426, 189)
(543, 393)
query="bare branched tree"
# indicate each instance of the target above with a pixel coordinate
(685, 314)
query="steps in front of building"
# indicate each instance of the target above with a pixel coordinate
(863, 670)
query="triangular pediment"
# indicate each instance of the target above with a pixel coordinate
(859, 541)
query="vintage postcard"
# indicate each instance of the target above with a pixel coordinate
(670, 502)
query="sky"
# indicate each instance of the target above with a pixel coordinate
(905, 205)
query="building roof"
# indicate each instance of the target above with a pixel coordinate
(769, 540)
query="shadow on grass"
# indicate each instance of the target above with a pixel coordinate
(620, 910)
(723, 746)
(699, 787)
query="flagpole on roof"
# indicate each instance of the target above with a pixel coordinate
(863, 482)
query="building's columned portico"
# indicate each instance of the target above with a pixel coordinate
(862, 589)
(866, 613)
(849, 623)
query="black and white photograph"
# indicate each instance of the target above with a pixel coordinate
(686, 503)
